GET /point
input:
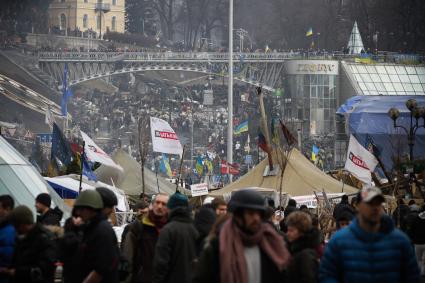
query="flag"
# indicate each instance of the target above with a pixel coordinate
(309, 32)
(165, 166)
(290, 139)
(87, 168)
(61, 154)
(275, 134)
(209, 165)
(199, 166)
(241, 128)
(228, 168)
(314, 152)
(49, 119)
(95, 154)
(66, 93)
(360, 162)
(164, 139)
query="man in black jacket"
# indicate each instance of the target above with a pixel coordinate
(342, 207)
(35, 253)
(47, 216)
(245, 249)
(175, 249)
(98, 250)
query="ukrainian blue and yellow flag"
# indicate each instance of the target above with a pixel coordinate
(199, 166)
(165, 166)
(314, 153)
(309, 32)
(241, 128)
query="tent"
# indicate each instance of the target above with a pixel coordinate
(68, 188)
(366, 117)
(300, 178)
(130, 181)
(20, 180)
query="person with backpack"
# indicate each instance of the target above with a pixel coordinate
(139, 240)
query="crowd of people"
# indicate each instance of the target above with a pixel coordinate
(246, 240)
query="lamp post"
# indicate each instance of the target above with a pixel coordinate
(416, 113)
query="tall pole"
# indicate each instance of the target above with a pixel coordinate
(230, 91)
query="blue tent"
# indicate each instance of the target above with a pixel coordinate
(366, 117)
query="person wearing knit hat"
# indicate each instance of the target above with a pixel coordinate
(47, 216)
(35, 253)
(175, 249)
(177, 200)
(109, 200)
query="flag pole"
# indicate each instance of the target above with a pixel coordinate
(82, 167)
(180, 169)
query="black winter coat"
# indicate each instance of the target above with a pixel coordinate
(99, 251)
(34, 257)
(68, 251)
(342, 207)
(207, 269)
(418, 229)
(175, 250)
(304, 263)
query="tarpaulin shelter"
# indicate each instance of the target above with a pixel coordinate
(130, 180)
(300, 177)
(366, 117)
(20, 180)
(68, 187)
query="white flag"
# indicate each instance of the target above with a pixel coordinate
(95, 154)
(49, 119)
(360, 162)
(164, 139)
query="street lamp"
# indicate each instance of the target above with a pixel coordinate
(415, 113)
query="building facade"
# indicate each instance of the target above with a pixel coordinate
(87, 15)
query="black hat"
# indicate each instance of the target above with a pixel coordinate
(108, 197)
(247, 198)
(44, 199)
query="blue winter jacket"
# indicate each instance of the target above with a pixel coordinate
(7, 241)
(356, 256)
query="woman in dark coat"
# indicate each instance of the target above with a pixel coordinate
(303, 241)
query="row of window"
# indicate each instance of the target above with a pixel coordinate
(85, 22)
(114, 2)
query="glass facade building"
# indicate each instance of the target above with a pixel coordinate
(311, 96)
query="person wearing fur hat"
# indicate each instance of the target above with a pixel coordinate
(175, 249)
(303, 241)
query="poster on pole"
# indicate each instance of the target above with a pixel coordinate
(199, 189)
(164, 139)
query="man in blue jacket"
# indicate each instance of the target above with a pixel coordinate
(7, 235)
(370, 249)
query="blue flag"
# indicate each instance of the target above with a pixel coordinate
(66, 92)
(87, 169)
(61, 151)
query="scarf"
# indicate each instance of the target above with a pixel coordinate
(158, 221)
(232, 257)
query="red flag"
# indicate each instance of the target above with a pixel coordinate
(227, 168)
(290, 139)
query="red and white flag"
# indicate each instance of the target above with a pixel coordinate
(164, 139)
(360, 162)
(227, 168)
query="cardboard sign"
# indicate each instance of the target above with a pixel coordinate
(199, 190)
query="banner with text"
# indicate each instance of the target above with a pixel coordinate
(199, 190)
(164, 139)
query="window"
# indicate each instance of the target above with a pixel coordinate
(85, 18)
(114, 22)
(99, 22)
(114, 2)
(62, 22)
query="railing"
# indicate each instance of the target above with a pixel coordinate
(223, 57)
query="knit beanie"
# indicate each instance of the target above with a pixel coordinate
(177, 200)
(44, 199)
(21, 215)
(204, 220)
